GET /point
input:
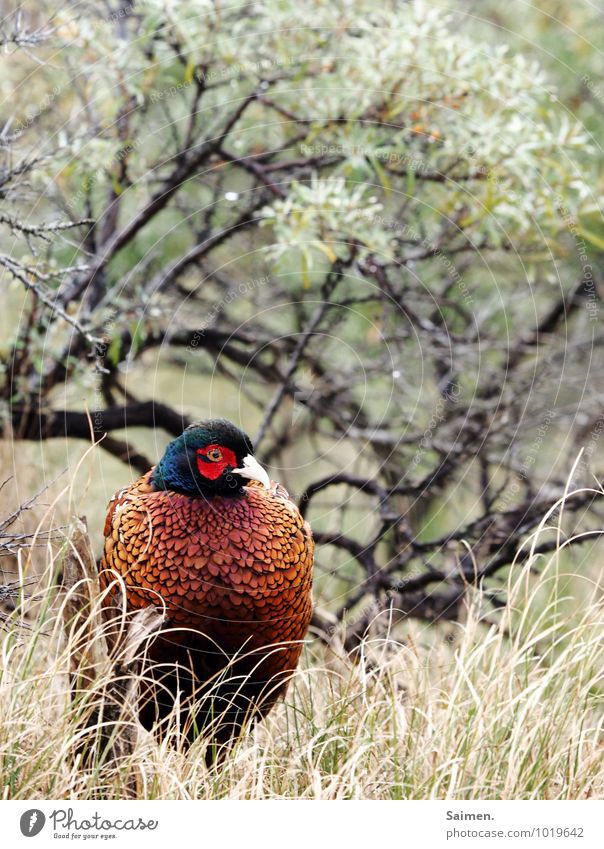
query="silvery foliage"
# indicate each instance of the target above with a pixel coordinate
(409, 109)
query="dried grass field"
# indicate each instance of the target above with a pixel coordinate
(511, 708)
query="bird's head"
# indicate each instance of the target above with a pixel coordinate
(210, 458)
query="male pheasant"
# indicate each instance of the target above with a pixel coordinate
(206, 535)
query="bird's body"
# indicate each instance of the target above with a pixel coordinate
(234, 570)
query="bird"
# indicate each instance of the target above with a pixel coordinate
(223, 550)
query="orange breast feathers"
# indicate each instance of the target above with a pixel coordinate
(237, 569)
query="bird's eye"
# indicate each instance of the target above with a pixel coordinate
(214, 454)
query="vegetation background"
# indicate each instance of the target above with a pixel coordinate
(374, 238)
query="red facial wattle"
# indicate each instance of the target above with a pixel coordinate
(213, 469)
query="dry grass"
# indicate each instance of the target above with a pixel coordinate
(510, 710)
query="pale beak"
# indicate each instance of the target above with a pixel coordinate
(254, 471)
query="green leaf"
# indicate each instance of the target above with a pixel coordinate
(410, 182)
(114, 351)
(137, 335)
(381, 174)
(591, 237)
(305, 268)
(327, 250)
(189, 72)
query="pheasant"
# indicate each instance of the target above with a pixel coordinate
(207, 536)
